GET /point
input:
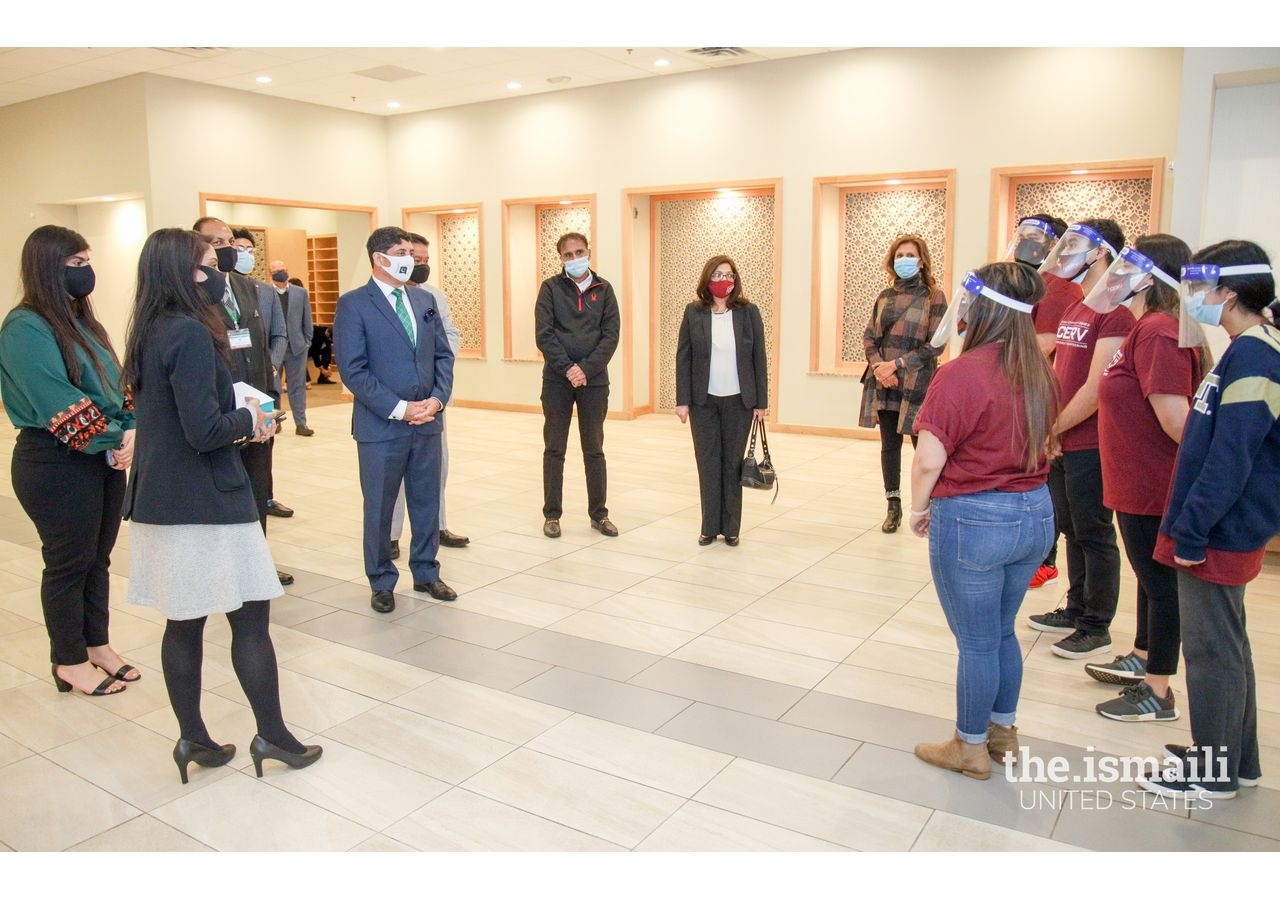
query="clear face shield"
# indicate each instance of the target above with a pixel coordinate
(956, 318)
(1197, 304)
(1128, 274)
(1070, 256)
(1032, 240)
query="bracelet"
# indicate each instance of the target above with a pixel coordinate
(923, 512)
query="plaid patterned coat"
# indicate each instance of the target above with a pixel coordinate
(903, 320)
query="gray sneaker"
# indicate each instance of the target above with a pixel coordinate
(1128, 669)
(1057, 622)
(1080, 644)
(1138, 703)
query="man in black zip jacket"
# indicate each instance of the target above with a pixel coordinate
(577, 324)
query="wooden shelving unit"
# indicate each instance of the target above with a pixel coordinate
(322, 276)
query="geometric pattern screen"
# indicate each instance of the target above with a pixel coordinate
(689, 232)
(554, 221)
(1126, 200)
(871, 221)
(460, 275)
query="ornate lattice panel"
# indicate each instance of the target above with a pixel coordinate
(689, 232)
(871, 219)
(1126, 200)
(260, 261)
(554, 221)
(459, 263)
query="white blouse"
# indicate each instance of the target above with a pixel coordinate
(724, 357)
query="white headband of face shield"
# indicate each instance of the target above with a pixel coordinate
(973, 284)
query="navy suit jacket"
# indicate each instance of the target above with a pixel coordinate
(381, 367)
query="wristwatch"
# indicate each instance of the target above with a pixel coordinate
(899, 364)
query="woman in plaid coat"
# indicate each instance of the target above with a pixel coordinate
(900, 359)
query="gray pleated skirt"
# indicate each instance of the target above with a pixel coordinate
(189, 571)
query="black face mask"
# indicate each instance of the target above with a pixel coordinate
(280, 277)
(215, 286)
(226, 258)
(1030, 251)
(421, 273)
(79, 281)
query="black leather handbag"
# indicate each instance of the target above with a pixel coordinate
(759, 475)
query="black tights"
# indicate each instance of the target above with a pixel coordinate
(254, 659)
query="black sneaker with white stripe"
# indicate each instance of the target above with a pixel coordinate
(1127, 669)
(1138, 703)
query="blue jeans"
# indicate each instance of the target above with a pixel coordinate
(983, 550)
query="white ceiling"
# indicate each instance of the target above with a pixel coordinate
(327, 76)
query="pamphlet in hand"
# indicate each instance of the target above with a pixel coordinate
(245, 392)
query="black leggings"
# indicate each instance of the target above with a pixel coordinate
(1159, 625)
(254, 659)
(891, 452)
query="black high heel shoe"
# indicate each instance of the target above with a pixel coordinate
(186, 752)
(262, 749)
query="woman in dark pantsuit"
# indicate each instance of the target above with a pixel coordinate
(722, 383)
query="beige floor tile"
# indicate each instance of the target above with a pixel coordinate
(360, 672)
(682, 616)
(696, 826)
(482, 709)
(725, 580)
(309, 702)
(37, 716)
(957, 833)
(143, 834)
(242, 813)
(11, 751)
(462, 820)
(875, 608)
(586, 573)
(789, 638)
(425, 745)
(659, 762)
(929, 665)
(380, 843)
(11, 676)
(932, 698)
(11, 622)
(831, 812)
(702, 596)
(48, 808)
(491, 602)
(358, 786)
(24, 601)
(630, 633)
(745, 659)
(605, 806)
(619, 561)
(821, 618)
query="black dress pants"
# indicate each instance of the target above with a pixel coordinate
(74, 500)
(558, 399)
(891, 452)
(1093, 559)
(720, 429)
(257, 464)
(1158, 621)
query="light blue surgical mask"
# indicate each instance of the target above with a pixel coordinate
(1202, 312)
(244, 262)
(576, 268)
(906, 266)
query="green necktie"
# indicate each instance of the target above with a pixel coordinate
(403, 312)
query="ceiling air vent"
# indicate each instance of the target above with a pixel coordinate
(388, 73)
(719, 52)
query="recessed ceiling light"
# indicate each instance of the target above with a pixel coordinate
(461, 210)
(393, 104)
(559, 79)
(514, 85)
(893, 181)
(662, 62)
(1079, 171)
(108, 198)
(566, 202)
(725, 190)
(263, 79)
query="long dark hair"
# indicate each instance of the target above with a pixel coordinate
(1255, 292)
(1020, 357)
(44, 292)
(166, 286)
(1169, 253)
(703, 291)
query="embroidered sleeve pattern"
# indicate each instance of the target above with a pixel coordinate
(78, 424)
(128, 401)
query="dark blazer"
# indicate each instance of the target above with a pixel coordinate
(254, 365)
(693, 357)
(381, 366)
(186, 469)
(297, 319)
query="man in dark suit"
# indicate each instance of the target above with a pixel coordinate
(249, 335)
(394, 357)
(297, 319)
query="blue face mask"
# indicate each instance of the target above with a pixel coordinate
(576, 268)
(244, 262)
(1204, 313)
(906, 266)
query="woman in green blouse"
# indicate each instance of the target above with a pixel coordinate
(60, 383)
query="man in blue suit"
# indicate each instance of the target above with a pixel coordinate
(393, 355)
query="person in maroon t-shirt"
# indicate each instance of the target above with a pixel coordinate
(1143, 401)
(978, 492)
(1086, 342)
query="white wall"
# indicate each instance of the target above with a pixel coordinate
(115, 232)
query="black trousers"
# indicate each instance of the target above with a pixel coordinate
(891, 452)
(1093, 559)
(720, 429)
(1158, 622)
(558, 399)
(74, 500)
(257, 463)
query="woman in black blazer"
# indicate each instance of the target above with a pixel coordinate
(722, 382)
(196, 547)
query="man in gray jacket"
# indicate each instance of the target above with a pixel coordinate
(297, 319)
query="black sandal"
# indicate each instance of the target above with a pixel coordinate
(100, 691)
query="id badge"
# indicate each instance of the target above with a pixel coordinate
(240, 339)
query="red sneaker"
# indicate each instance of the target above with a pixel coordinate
(1044, 575)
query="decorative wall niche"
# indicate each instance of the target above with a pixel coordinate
(457, 265)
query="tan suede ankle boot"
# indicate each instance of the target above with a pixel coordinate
(967, 759)
(1002, 739)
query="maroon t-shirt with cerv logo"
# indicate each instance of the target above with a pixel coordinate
(1078, 335)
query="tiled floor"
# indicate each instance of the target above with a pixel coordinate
(589, 693)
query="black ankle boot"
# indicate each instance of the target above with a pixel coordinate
(894, 517)
(186, 752)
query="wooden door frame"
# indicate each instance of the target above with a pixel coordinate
(440, 210)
